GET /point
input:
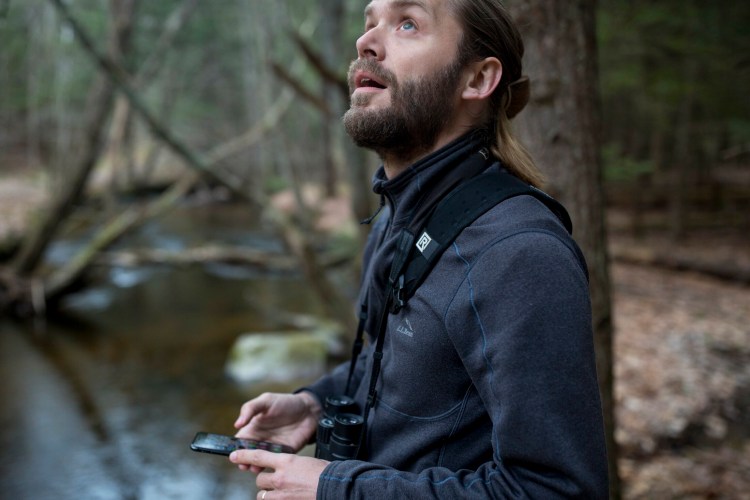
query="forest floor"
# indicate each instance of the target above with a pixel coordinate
(682, 349)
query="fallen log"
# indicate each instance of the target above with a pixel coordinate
(200, 255)
(677, 261)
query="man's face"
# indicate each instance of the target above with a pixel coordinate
(404, 85)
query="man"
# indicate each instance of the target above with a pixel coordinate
(488, 386)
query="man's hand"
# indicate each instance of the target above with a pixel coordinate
(290, 419)
(286, 476)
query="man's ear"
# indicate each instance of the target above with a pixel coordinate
(483, 78)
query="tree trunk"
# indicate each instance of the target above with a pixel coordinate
(561, 129)
(682, 168)
(331, 51)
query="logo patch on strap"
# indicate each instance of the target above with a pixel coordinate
(423, 242)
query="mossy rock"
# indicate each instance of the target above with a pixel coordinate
(278, 357)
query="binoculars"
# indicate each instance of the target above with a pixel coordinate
(339, 429)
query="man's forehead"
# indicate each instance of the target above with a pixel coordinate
(429, 6)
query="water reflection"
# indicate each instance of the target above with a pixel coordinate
(104, 403)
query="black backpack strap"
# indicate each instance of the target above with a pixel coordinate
(456, 211)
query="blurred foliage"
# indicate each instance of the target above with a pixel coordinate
(212, 84)
(619, 167)
(655, 57)
(275, 184)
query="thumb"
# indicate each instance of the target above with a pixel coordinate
(248, 411)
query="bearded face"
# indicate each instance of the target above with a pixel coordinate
(419, 109)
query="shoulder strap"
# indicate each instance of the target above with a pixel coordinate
(456, 211)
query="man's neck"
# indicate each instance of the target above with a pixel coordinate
(394, 163)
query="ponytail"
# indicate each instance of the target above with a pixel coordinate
(489, 31)
(516, 159)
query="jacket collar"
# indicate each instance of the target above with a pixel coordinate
(405, 191)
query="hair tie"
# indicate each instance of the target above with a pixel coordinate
(516, 96)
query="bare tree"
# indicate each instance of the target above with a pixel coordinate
(99, 109)
(38, 291)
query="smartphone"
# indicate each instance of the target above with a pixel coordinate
(220, 444)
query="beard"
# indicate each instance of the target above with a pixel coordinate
(419, 111)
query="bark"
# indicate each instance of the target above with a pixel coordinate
(561, 128)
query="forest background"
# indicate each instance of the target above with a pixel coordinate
(239, 101)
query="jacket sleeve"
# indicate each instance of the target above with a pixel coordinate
(521, 323)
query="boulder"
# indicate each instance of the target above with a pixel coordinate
(284, 357)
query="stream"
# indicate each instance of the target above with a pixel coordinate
(104, 402)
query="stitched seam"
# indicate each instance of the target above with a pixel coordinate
(391, 477)
(487, 363)
(494, 242)
(478, 318)
(422, 419)
(460, 415)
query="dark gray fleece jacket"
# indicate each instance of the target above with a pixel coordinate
(488, 386)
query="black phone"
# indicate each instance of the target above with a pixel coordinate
(219, 444)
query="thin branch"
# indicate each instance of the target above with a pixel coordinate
(120, 80)
(172, 26)
(298, 87)
(328, 74)
(269, 121)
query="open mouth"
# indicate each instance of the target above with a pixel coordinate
(368, 81)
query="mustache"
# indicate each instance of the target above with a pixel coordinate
(372, 67)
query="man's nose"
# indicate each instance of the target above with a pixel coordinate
(370, 45)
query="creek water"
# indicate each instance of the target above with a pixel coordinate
(103, 402)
